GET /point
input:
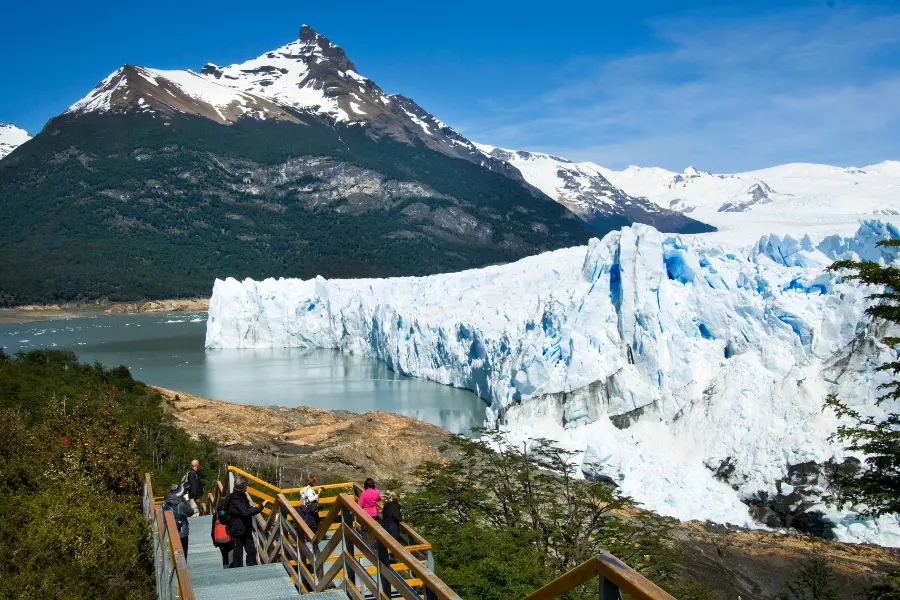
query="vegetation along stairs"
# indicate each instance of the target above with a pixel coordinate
(348, 556)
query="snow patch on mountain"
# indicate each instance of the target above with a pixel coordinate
(151, 90)
(583, 189)
(788, 199)
(287, 74)
(659, 358)
(11, 137)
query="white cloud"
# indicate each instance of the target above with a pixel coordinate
(725, 95)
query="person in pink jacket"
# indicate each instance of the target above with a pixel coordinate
(370, 498)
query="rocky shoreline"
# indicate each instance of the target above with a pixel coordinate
(335, 445)
(73, 310)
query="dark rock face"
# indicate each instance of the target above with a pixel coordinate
(757, 194)
(802, 489)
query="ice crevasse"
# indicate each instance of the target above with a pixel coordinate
(690, 373)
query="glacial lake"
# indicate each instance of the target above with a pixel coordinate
(166, 349)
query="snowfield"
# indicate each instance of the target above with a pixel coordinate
(787, 199)
(11, 137)
(661, 359)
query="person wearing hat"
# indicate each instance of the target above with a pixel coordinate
(181, 510)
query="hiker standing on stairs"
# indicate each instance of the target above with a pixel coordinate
(220, 537)
(194, 485)
(181, 510)
(309, 509)
(239, 511)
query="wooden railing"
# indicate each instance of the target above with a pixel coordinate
(613, 577)
(349, 550)
(172, 580)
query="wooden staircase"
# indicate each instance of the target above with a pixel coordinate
(349, 555)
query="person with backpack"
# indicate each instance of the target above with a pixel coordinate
(239, 513)
(309, 507)
(181, 510)
(220, 537)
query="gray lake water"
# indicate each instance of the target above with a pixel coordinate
(167, 350)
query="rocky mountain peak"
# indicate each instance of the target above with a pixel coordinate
(310, 43)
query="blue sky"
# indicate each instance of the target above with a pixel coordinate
(726, 86)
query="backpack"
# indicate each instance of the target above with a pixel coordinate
(224, 516)
(220, 532)
(179, 520)
(309, 517)
(309, 512)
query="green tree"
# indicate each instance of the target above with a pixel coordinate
(887, 588)
(878, 485)
(506, 519)
(812, 579)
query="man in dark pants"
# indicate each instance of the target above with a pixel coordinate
(240, 527)
(195, 486)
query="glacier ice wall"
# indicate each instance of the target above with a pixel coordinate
(660, 358)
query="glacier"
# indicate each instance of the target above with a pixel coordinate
(690, 372)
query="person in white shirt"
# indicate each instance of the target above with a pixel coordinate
(309, 507)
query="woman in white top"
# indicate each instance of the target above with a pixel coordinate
(309, 507)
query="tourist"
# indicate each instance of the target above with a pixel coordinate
(368, 501)
(220, 537)
(309, 504)
(391, 516)
(240, 511)
(370, 498)
(181, 510)
(194, 485)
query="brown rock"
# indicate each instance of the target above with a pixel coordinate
(332, 444)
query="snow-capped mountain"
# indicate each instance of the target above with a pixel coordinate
(309, 76)
(11, 137)
(582, 188)
(139, 89)
(292, 161)
(691, 373)
(793, 198)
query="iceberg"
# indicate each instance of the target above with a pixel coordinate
(691, 373)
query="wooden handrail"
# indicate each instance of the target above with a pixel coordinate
(167, 545)
(186, 591)
(608, 567)
(287, 538)
(429, 579)
(254, 479)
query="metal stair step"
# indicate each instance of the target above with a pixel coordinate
(262, 582)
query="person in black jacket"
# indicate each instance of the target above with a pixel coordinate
(195, 485)
(240, 526)
(391, 515)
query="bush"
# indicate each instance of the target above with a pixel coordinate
(77, 440)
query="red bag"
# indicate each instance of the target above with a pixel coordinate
(220, 536)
